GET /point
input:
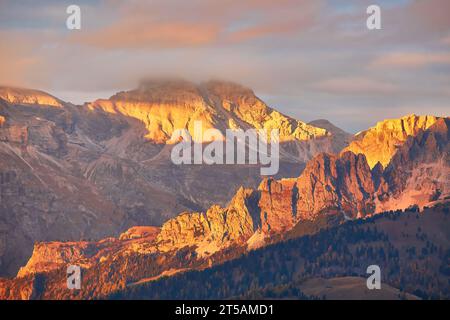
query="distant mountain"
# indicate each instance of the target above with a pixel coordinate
(22, 96)
(380, 143)
(72, 172)
(341, 138)
(331, 190)
(164, 106)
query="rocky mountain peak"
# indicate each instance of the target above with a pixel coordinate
(381, 142)
(166, 105)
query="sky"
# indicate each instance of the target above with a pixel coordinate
(308, 59)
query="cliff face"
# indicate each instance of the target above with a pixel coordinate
(169, 105)
(380, 143)
(340, 183)
(212, 231)
(419, 172)
(277, 203)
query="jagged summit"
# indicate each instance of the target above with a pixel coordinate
(380, 142)
(166, 105)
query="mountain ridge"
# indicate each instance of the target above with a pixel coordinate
(379, 143)
(80, 172)
(341, 186)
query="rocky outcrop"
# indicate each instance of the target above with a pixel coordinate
(419, 173)
(50, 256)
(214, 230)
(380, 143)
(332, 183)
(139, 232)
(246, 108)
(277, 203)
(165, 106)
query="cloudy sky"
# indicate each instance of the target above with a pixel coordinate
(309, 59)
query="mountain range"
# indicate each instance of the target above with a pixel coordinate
(73, 172)
(93, 186)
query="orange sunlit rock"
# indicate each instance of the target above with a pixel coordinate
(28, 97)
(380, 143)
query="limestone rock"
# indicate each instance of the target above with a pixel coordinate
(28, 97)
(380, 143)
(138, 232)
(165, 106)
(220, 227)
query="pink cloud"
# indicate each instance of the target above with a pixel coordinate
(433, 14)
(355, 85)
(446, 40)
(19, 67)
(411, 60)
(136, 34)
(198, 23)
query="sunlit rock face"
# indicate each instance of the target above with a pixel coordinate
(212, 231)
(28, 97)
(277, 202)
(49, 256)
(243, 106)
(380, 143)
(164, 106)
(139, 232)
(341, 183)
(419, 172)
